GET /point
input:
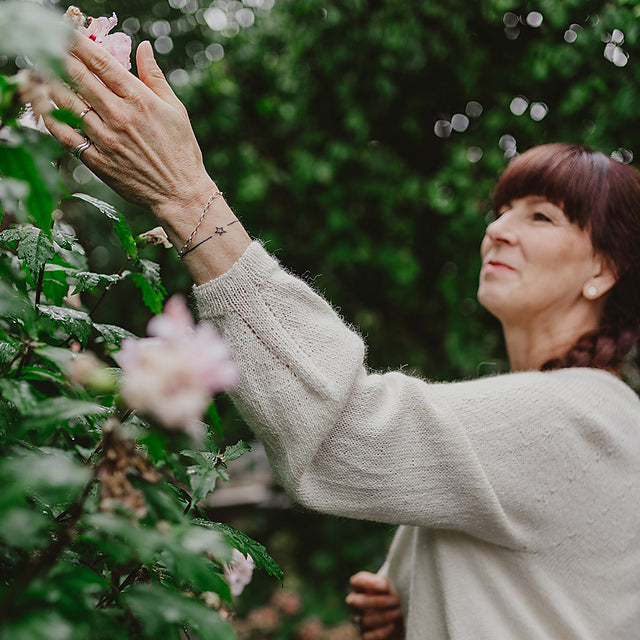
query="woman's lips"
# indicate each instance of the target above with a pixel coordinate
(494, 265)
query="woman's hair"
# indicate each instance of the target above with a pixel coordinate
(602, 196)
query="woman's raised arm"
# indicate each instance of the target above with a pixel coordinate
(143, 146)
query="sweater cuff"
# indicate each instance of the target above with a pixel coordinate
(244, 278)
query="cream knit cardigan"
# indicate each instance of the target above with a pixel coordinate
(518, 495)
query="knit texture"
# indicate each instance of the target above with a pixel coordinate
(518, 495)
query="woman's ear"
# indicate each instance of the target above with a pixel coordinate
(603, 278)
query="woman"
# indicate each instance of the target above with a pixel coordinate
(517, 494)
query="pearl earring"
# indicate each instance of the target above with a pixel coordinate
(591, 292)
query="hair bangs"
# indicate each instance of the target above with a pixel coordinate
(574, 178)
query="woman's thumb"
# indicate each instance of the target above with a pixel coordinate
(151, 74)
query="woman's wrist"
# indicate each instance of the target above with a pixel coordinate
(211, 243)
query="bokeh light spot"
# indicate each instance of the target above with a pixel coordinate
(538, 111)
(534, 19)
(459, 122)
(518, 105)
(473, 109)
(442, 128)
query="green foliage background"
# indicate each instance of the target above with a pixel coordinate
(318, 124)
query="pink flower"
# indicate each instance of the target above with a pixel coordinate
(238, 572)
(117, 44)
(173, 374)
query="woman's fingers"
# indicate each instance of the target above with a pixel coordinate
(367, 581)
(372, 618)
(372, 601)
(98, 62)
(382, 633)
(151, 74)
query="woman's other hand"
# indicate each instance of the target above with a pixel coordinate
(376, 607)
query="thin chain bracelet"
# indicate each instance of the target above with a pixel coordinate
(182, 251)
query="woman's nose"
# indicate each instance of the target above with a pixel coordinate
(502, 229)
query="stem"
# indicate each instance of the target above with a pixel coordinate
(39, 285)
(133, 574)
(106, 290)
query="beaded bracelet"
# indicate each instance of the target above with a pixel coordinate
(182, 251)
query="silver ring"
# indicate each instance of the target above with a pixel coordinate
(77, 152)
(84, 112)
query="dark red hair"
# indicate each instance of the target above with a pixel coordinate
(602, 196)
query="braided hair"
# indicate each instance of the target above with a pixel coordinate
(602, 196)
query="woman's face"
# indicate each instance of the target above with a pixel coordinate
(536, 264)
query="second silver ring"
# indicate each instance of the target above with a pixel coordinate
(83, 146)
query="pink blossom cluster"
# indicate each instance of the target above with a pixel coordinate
(117, 44)
(238, 572)
(173, 374)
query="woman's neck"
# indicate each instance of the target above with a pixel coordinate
(530, 347)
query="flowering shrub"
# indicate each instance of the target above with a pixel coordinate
(102, 534)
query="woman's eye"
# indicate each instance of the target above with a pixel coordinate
(540, 216)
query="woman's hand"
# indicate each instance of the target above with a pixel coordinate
(376, 607)
(143, 144)
(144, 148)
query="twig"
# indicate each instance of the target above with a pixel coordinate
(106, 290)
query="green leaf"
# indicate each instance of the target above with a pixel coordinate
(89, 281)
(204, 474)
(53, 411)
(67, 117)
(50, 473)
(47, 625)
(246, 545)
(120, 225)
(35, 247)
(56, 355)
(234, 451)
(18, 163)
(214, 419)
(12, 193)
(113, 334)
(15, 305)
(148, 281)
(19, 393)
(76, 323)
(162, 610)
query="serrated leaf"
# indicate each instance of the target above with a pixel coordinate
(35, 247)
(62, 239)
(19, 393)
(204, 474)
(246, 545)
(148, 281)
(14, 305)
(56, 355)
(234, 451)
(89, 281)
(52, 411)
(76, 323)
(120, 225)
(8, 350)
(113, 334)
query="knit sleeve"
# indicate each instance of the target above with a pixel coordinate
(495, 458)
